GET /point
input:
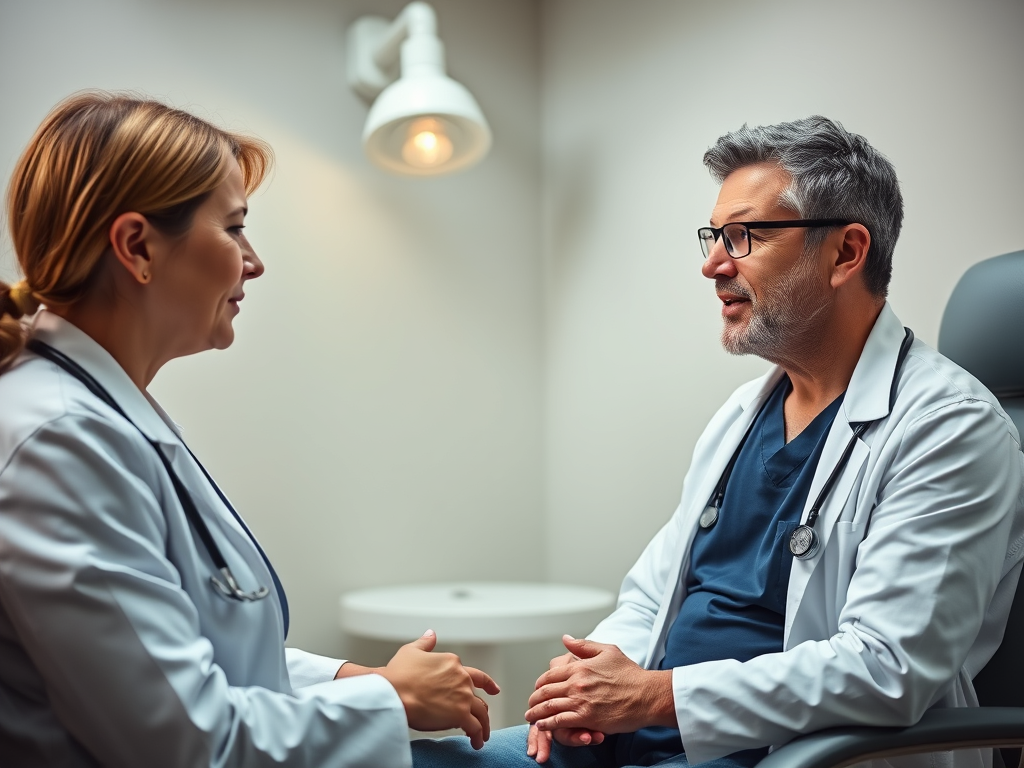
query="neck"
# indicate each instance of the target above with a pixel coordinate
(820, 368)
(119, 328)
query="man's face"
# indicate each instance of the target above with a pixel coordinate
(773, 298)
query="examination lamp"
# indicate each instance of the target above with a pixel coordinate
(421, 123)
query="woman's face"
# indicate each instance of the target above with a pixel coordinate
(200, 283)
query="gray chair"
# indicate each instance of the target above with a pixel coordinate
(983, 331)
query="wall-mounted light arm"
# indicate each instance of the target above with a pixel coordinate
(417, 23)
(421, 122)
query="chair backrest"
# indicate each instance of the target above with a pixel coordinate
(983, 331)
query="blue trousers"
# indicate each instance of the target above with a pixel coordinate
(507, 749)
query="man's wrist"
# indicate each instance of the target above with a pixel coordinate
(659, 698)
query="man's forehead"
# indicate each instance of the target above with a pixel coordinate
(751, 192)
(732, 213)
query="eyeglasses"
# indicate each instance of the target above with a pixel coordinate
(737, 234)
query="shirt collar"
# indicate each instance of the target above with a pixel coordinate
(867, 396)
(139, 406)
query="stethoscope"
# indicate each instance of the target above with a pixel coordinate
(804, 542)
(227, 585)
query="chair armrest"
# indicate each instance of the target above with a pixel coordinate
(939, 729)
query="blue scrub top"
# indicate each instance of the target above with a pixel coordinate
(736, 587)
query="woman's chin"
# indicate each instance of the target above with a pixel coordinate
(223, 337)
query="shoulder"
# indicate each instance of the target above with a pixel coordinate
(40, 403)
(71, 469)
(931, 386)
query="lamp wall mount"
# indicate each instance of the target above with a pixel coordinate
(377, 45)
(421, 122)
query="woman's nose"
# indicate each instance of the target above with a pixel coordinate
(252, 264)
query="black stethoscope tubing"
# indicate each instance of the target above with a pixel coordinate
(229, 587)
(804, 541)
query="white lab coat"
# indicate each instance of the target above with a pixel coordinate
(921, 546)
(114, 648)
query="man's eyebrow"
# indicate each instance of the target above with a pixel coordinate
(741, 212)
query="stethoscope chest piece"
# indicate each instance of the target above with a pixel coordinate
(803, 543)
(708, 517)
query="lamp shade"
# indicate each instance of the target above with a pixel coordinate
(425, 124)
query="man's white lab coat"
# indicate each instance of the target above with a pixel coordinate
(921, 544)
(114, 648)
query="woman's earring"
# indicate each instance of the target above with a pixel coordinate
(145, 276)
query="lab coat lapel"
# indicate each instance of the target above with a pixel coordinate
(749, 404)
(835, 444)
(866, 400)
(706, 478)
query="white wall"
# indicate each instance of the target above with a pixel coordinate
(633, 95)
(378, 419)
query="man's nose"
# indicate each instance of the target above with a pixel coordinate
(719, 263)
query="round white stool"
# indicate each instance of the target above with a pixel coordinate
(478, 616)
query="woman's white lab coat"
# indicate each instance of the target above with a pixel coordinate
(114, 648)
(921, 546)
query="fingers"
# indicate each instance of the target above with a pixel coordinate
(576, 737)
(551, 691)
(548, 710)
(564, 719)
(482, 713)
(483, 681)
(555, 675)
(558, 661)
(426, 642)
(538, 742)
(585, 649)
(561, 661)
(543, 745)
(538, 745)
(531, 741)
(476, 724)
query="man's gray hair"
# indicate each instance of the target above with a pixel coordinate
(836, 175)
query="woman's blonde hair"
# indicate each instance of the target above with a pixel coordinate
(95, 156)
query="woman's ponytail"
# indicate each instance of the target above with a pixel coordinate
(16, 301)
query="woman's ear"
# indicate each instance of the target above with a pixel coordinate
(131, 241)
(851, 253)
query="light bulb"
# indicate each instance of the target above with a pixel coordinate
(427, 145)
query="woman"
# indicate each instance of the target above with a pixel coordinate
(140, 622)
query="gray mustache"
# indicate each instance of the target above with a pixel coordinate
(733, 287)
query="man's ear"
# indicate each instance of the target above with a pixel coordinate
(851, 254)
(131, 241)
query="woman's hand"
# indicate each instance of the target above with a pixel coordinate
(438, 692)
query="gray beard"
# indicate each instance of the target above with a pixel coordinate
(785, 320)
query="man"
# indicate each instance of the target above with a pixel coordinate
(851, 525)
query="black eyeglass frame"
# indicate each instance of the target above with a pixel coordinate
(716, 232)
